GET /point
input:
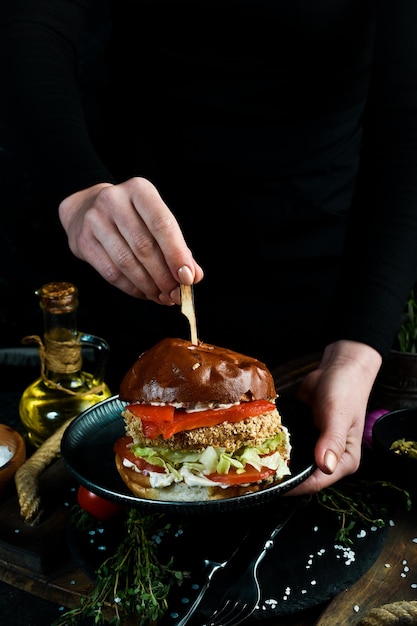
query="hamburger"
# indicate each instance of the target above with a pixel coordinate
(201, 423)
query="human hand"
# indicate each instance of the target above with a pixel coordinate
(129, 235)
(338, 392)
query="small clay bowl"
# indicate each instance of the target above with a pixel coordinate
(15, 443)
(400, 424)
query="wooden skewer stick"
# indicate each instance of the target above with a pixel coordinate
(187, 309)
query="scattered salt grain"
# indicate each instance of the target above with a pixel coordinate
(5, 455)
(347, 553)
(413, 586)
(361, 534)
(356, 608)
(391, 522)
(415, 540)
(387, 565)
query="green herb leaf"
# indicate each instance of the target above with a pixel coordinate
(407, 334)
(132, 582)
(355, 503)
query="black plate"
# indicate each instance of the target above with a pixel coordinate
(87, 449)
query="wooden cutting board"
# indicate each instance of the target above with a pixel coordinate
(43, 547)
(392, 578)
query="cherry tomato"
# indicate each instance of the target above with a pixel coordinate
(100, 508)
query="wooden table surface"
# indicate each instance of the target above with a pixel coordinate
(37, 560)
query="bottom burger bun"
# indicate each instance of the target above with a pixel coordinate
(201, 424)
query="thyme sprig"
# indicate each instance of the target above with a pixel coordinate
(132, 582)
(350, 503)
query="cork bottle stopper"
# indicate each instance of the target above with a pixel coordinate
(58, 297)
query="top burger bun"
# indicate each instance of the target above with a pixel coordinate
(176, 371)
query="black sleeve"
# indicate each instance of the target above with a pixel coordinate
(40, 44)
(380, 265)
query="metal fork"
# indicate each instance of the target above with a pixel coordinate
(212, 567)
(242, 597)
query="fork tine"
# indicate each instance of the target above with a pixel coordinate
(237, 617)
(219, 614)
(229, 614)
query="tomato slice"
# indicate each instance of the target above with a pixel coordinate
(250, 475)
(149, 412)
(183, 420)
(122, 448)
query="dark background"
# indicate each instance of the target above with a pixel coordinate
(34, 251)
(31, 241)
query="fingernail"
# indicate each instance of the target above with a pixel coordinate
(175, 295)
(185, 275)
(330, 461)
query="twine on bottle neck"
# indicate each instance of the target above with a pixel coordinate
(62, 357)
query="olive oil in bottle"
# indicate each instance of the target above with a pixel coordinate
(64, 389)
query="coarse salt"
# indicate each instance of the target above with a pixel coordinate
(5, 455)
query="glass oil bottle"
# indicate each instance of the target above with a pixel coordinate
(64, 389)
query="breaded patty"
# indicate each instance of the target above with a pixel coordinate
(229, 435)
